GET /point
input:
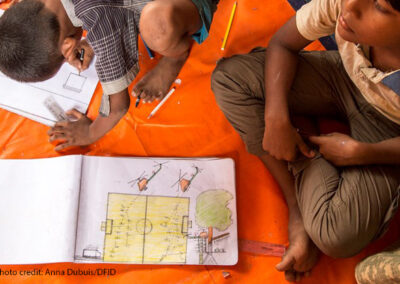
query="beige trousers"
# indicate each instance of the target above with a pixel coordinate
(343, 209)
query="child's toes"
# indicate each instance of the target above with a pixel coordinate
(159, 96)
(144, 96)
(136, 92)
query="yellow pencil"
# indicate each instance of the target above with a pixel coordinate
(228, 28)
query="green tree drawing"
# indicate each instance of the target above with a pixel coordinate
(212, 211)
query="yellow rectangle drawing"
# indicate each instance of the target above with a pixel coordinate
(146, 229)
(125, 243)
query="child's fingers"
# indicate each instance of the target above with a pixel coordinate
(62, 146)
(62, 124)
(87, 59)
(74, 113)
(82, 55)
(54, 130)
(74, 61)
(55, 137)
(316, 139)
(305, 150)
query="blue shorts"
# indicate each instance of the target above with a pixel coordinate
(206, 10)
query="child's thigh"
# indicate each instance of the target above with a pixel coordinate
(320, 85)
(368, 125)
(238, 85)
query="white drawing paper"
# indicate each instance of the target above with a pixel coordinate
(118, 210)
(38, 209)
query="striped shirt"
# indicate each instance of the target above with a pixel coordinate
(112, 28)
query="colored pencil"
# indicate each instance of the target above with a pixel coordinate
(151, 55)
(228, 28)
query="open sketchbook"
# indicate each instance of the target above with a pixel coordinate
(118, 210)
(68, 88)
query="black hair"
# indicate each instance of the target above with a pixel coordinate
(29, 36)
(395, 4)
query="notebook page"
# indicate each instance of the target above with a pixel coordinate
(157, 211)
(38, 209)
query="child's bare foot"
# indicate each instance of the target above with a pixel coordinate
(156, 83)
(301, 255)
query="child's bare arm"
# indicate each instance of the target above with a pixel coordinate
(281, 140)
(342, 150)
(83, 131)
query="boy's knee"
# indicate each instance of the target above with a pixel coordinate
(337, 241)
(222, 77)
(158, 25)
(226, 72)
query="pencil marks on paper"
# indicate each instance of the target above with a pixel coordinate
(146, 229)
(143, 181)
(74, 82)
(184, 183)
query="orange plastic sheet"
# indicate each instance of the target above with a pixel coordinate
(191, 125)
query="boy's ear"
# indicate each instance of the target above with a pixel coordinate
(68, 47)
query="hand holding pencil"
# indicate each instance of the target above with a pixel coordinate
(82, 56)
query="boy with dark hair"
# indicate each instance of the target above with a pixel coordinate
(36, 36)
(343, 196)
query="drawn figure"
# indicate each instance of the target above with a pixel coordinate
(142, 181)
(212, 211)
(91, 252)
(183, 183)
(75, 82)
(205, 247)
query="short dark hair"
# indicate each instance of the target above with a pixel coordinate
(29, 36)
(395, 4)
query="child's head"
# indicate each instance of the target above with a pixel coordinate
(29, 42)
(35, 38)
(371, 22)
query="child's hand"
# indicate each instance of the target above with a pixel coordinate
(282, 141)
(74, 58)
(72, 133)
(338, 148)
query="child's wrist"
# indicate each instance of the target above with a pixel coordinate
(93, 135)
(363, 153)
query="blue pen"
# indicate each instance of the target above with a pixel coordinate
(137, 101)
(151, 55)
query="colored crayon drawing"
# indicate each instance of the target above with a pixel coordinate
(146, 229)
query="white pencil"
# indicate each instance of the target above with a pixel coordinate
(161, 103)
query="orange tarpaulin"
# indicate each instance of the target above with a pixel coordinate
(190, 125)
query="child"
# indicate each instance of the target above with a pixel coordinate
(36, 36)
(341, 197)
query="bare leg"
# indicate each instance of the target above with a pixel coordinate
(302, 254)
(166, 27)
